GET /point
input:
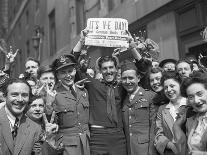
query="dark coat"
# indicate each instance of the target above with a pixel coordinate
(139, 117)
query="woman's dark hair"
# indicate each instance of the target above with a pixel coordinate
(35, 97)
(195, 77)
(170, 75)
(16, 80)
(154, 71)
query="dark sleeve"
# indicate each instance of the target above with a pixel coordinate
(75, 54)
(143, 65)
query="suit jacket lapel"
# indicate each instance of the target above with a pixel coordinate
(168, 119)
(6, 130)
(23, 133)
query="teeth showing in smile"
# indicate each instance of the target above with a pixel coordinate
(170, 94)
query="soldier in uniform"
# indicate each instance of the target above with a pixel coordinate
(138, 113)
(72, 108)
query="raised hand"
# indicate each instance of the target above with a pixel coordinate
(38, 90)
(50, 98)
(80, 84)
(11, 56)
(83, 34)
(50, 126)
(172, 147)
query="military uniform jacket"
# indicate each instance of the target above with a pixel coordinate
(72, 116)
(139, 117)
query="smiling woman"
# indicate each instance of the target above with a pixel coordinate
(166, 116)
(195, 89)
(36, 109)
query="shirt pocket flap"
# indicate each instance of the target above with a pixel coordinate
(142, 139)
(142, 103)
(66, 108)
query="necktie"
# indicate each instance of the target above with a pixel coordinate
(73, 92)
(15, 128)
(111, 105)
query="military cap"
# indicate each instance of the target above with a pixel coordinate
(63, 61)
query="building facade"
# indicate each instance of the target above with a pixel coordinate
(174, 24)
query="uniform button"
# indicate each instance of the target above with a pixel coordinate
(130, 125)
(80, 134)
(79, 123)
(65, 110)
(78, 113)
(140, 93)
(130, 109)
(130, 117)
(130, 134)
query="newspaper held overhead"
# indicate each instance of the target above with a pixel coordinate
(107, 32)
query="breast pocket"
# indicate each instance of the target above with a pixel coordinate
(66, 115)
(141, 139)
(141, 111)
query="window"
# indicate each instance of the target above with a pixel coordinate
(80, 17)
(52, 33)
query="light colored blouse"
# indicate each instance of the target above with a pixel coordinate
(195, 141)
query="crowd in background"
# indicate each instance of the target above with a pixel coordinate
(134, 107)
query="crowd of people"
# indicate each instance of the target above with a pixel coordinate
(134, 107)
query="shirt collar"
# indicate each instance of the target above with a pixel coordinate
(182, 102)
(135, 92)
(10, 116)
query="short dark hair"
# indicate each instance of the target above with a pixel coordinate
(15, 80)
(185, 60)
(170, 75)
(195, 77)
(106, 59)
(155, 70)
(35, 97)
(44, 69)
(33, 59)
